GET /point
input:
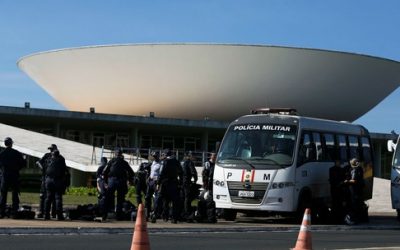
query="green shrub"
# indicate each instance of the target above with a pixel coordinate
(81, 191)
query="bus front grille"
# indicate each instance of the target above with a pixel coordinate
(258, 188)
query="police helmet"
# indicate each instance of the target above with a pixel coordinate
(103, 160)
(52, 147)
(118, 152)
(167, 152)
(8, 141)
(155, 154)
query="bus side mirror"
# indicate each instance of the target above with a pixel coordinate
(391, 146)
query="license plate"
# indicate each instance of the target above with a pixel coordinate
(249, 194)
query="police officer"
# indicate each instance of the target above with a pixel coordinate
(189, 179)
(141, 180)
(43, 163)
(11, 162)
(117, 173)
(355, 185)
(208, 172)
(210, 204)
(170, 180)
(152, 189)
(57, 179)
(101, 185)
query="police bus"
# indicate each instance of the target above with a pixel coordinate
(277, 161)
(395, 174)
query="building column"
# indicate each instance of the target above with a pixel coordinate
(57, 129)
(134, 138)
(204, 141)
(78, 178)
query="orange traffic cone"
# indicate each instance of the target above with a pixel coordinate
(304, 238)
(140, 239)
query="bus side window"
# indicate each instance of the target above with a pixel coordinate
(330, 152)
(318, 146)
(306, 150)
(343, 149)
(354, 147)
(366, 150)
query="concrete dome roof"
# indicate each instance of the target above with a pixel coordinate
(222, 82)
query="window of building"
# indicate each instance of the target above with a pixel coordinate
(122, 140)
(98, 139)
(72, 135)
(179, 142)
(156, 141)
(168, 142)
(145, 141)
(190, 144)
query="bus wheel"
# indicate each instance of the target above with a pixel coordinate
(229, 214)
(304, 202)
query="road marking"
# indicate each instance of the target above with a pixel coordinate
(371, 248)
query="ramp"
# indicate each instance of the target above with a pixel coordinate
(77, 155)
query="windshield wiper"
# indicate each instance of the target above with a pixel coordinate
(240, 159)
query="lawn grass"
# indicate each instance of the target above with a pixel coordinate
(29, 198)
(72, 198)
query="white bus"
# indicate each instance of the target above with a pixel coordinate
(395, 175)
(276, 161)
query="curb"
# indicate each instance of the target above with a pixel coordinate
(93, 230)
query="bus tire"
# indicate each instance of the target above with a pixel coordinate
(229, 214)
(305, 201)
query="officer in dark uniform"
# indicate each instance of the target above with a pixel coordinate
(117, 173)
(189, 179)
(211, 209)
(11, 162)
(57, 179)
(43, 163)
(170, 180)
(208, 172)
(141, 180)
(101, 185)
(355, 185)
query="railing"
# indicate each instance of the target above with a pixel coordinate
(135, 156)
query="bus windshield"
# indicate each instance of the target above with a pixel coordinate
(258, 145)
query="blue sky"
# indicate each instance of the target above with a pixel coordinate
(360, 26)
